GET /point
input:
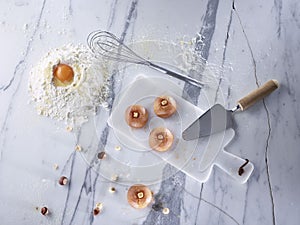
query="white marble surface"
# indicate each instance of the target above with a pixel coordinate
(248, 42)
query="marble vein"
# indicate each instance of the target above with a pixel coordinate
(111, 89)
(70, 7)
(186, 212)
(88, 188)
(132, 15)
(112, 14)
(88, 185)
(248, 44)
(28, 47)
(268, 119)
(200, 198)
(202, 47)
(223, 190)
(245, 206)
(69, 163)
(267, 162)
(169, 195)
(93, 194)
(221, 210)
(85, 187)
(19, 69)
(295, 16)
(224, 54)
(203, 40)
(278, 8)
(199, 203)
(3, 88)
(290, 89)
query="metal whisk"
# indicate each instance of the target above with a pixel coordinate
(105, 44)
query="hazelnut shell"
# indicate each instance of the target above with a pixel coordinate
(164, 106)
(136, 116)
(161, 139)
(139, 196)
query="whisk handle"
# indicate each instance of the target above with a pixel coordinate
(180, 76)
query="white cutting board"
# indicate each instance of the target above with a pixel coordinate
(196, 158)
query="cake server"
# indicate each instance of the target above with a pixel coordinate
(217, 118)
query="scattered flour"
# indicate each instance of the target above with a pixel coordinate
(79, 100)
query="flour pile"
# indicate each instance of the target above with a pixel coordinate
(77, 101)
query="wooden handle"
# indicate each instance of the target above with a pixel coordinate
(258, 94)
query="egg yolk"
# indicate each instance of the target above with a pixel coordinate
(63, 74)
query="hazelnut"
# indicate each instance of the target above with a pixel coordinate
(164, 106)
(165, 211)
(101, 155)
(136, 116)
(98, 208)
(63, 180)
(44, 211)
(112, 189)
(161, 139)
(139, 196)
(96, 211)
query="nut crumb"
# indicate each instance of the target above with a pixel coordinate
(69, 128)
(114, 177)
(135, 115)
(78, 148)
(55, 166)
(99, 205)
(140, 195)
(101, 155)
(164, 102)
(117, 148)
(165, 211)
(112, 189)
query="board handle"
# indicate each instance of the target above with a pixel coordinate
(238, 168)
(258, 94)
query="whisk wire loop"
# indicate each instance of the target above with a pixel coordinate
(107, 45)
